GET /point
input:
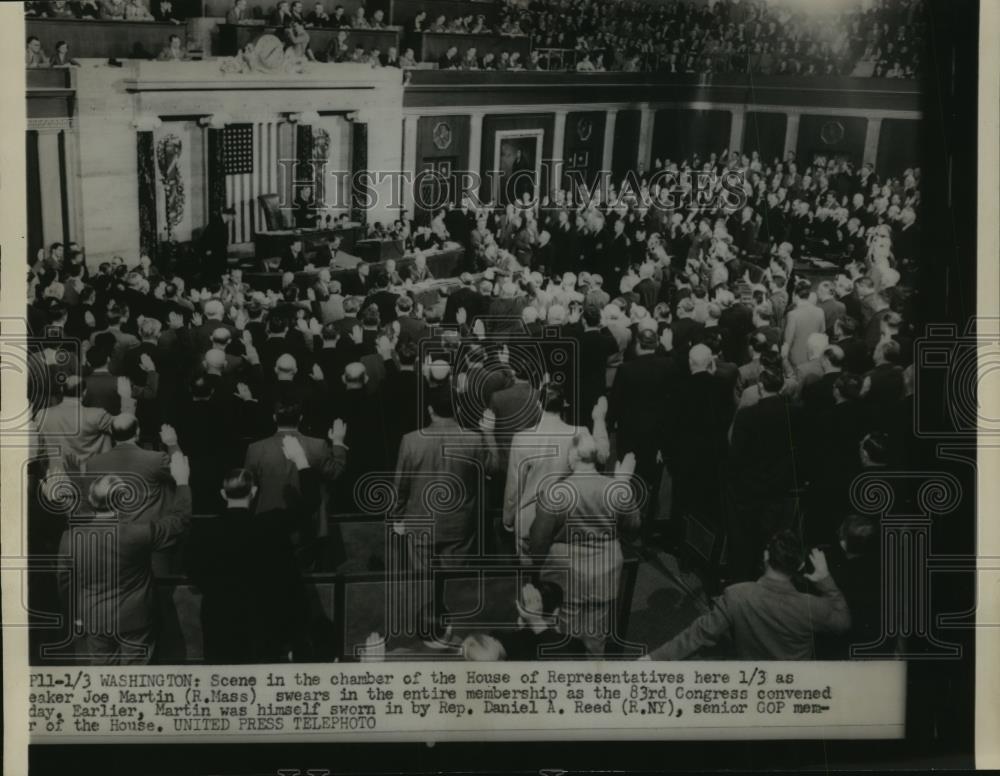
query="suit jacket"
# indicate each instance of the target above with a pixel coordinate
(802, 321)
(148, 467)
(637, 407)
(443, 458)
(127, 596)
(79, 432)
(516, 408)
(767, 620)
(763, 448)
(102, 392)
(276, 476)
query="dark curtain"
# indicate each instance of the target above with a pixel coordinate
(36, 239)
(216, 172)
(304, 153)
(359, 168)
(146, 158)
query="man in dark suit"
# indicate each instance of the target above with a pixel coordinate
(150, 469)
(253, 604)
(515, 407)
(696, 442)
(764, 479)
(637, 412)
(275, 475)
(381, 296)
(101, 389)
(215, 245)
(213, 315)
(411, 327)
(466, 296)
(294, 259)
(115, 584)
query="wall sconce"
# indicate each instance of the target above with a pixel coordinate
(306, 117)
(147, 122)
(214, 121)
(352, 116)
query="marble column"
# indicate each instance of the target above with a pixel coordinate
(872, 132)
(410, 125)
(558, 146)
(607, 156)
(736, 129)
(50, 186)
(476, 155)
(646, 119)
(792, 133)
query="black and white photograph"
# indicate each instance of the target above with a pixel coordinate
(637, 351)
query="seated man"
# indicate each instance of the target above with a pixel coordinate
(768, 619)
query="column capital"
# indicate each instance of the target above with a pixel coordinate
(146, 122)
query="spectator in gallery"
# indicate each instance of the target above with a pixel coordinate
(358, 20)
(440, 24)
(358, 56)
(282, 15)
(449, 59)
(167, 13)
(378, 20)
(136, 11)
(769, 619)
(86, 9)
(297, 12)
(390, 58)
(408, 59)
(319, 17)
(238, 13)
(340, 19)
(470, 61)
(585, 65)
(60, 9)
(112, 9)
(174, 51)
(419, 22)
(128, 596)
(339, 51)
(34, 55)
(298, 46)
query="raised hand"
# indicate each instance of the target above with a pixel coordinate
(168, 435)
(488, 422)
(243, 392)
(626, 466)
(600, 411)
(338, 432)
(820, 570)
(124, 386)
(374, 649)
(461, 316)
(146, 363)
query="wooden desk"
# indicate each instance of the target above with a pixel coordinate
(104, 39)
(442, 264)
(233, 37)
(269, 245)
(431, 45)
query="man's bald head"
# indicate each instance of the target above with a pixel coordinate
(286, 367)
(355, 374)
(221, 337)
(440, 371)
(700, 359)
(214, 310)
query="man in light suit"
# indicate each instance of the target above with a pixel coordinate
(78, 432)
(541, 455)
(114, 584)
(444, 453)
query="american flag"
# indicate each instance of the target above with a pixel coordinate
(250, 154)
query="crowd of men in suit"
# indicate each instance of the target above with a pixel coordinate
(683, 365)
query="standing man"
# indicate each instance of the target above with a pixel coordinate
(115, 585)
(215, 245)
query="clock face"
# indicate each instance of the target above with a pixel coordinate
(832, 132)
(441, 135)
(584, 129)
